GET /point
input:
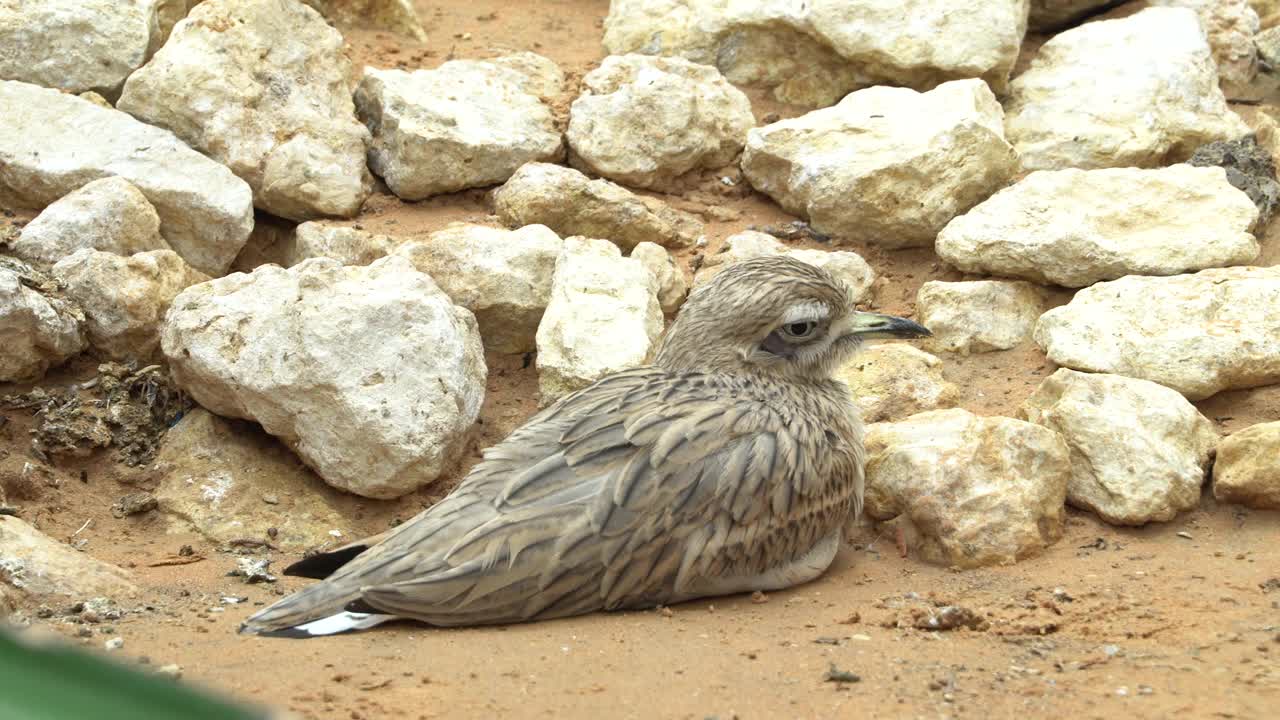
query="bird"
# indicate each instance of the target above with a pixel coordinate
(730, 464)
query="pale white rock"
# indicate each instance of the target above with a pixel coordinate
(603, 317)
(370, 373)
(570, 203)
(844, 265)
(503, 276)
(893, 381)
(974, 490)
(52, 143)
(465, 124)
(887, 165)
(813, 53)
(1051, 15)
(1247, 471)
(1198, 334)
(397, 16)
(1075, 227)
(110, 214)
(42, 568)
(38, 330)
(124, 299)
(1139, 450)
(978, 316)
(228, 480)
(1135, 91)
(644, 121)
(671, 285)
(347, 245)
(77, 45)
(1229, 26)
(264, 88)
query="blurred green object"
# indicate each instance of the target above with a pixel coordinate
(55, 681)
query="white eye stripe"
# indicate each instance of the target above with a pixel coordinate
(810, 311)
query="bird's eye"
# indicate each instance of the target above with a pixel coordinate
(799, 330)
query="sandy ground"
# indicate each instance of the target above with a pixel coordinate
(1179, 618)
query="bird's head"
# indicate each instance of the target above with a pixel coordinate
(776, 316)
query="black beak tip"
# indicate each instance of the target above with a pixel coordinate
(910, 329)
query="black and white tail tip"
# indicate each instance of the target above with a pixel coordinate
(339, 623)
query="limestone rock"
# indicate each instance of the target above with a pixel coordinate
(369, 373)
(976, 490)
(672, 287)
(77, 45)
(892, 381)
(845, 265)
(1136, 91)
(38, 329)
(503, 276)
(397, 16)
(262, 87)
(110, 214)
(978, 316)
(887, 165)
(318, 238)
(465, 124)
(813, 53)
(1076, 227)
(603, 317)
(228, 480)
(1250, 168)
(43, 568)
(1229, 26)
(1246, 471)
(644, 121)
(570, 203)
(52, 144)
(1198, 334)
(125, 298)
(1139, 450)
(1050, 15)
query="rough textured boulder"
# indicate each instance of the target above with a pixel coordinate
(264, 88)
(52, 143)
(603, 317)
(1249, 166)
(465, 124)
(348, 246)
(1246, 471)
(397, 16)
(1230, 26)
(1137, 91)
(893, 381)
(227, 480)
(110, 214)
(44, 569)
(970, 490)
(124, 299)
(1050, 15)
(843, 264)
(978, 316)
(813, 53)
(887, 165)
(77, 45)
(570, 203)
(371, 374)
(644, 121)
(503, 276)
(1076, 227)
(1198, 334)
(38, 329)
(1139, 451)
(672, 287)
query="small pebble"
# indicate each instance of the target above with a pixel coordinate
(114, 643)
(1184, 535)
(173, 671)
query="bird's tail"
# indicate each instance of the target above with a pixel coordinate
(315, 611)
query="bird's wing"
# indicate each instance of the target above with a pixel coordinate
(621, 494)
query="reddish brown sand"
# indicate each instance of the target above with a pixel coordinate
(1176, 619)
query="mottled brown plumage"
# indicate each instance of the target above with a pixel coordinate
(728, 465)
